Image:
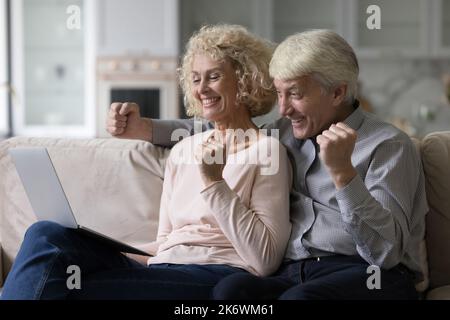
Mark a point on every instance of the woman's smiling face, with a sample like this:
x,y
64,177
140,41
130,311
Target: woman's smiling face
x,y
214,85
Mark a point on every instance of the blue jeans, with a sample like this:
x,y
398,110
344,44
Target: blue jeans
x,y
40,271
328,278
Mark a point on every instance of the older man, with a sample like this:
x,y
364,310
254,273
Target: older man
x,y
358,198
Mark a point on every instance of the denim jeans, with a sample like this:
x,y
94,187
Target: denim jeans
x,y
40,271
335,277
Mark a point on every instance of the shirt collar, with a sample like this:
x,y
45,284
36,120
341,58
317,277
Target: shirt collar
x,y
355,119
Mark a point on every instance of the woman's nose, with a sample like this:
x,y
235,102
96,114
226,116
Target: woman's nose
x,y
203,88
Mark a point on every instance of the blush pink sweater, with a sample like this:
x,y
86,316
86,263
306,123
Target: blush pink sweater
x,y
242,221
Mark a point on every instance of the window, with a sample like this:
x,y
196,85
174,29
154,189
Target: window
x,y
3,71
53,70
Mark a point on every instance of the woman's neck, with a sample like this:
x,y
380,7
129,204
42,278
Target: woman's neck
x,y
228,130
240,119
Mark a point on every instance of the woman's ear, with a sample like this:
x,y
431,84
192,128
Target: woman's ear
x,y
339,94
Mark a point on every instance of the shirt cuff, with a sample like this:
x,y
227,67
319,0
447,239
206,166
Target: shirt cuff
x,y
352,196
162,132
159,128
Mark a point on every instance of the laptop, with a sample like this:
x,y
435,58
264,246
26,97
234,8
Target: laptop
x,y
47,196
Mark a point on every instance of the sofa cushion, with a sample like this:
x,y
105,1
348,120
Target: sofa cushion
x,y
113,186
435,151
441,293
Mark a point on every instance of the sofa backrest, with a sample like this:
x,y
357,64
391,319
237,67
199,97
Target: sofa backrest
x,y
435,152
126,175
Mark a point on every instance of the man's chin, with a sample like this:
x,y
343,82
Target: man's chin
x,y
299,133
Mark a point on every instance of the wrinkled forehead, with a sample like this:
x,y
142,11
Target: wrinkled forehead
x,y
287,84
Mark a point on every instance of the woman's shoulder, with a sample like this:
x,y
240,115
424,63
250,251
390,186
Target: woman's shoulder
x,y
273,156
270,142
269,155
262,152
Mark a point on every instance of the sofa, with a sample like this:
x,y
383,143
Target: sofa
x,y
114,187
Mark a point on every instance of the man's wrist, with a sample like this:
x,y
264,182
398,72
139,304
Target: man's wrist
x,y
147,129
343,177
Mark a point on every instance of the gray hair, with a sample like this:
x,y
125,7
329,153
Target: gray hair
x,y
323,54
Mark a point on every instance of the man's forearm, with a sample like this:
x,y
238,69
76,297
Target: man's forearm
x,y
378,232
167,133
147,130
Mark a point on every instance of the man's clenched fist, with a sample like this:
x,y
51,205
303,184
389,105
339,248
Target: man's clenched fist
x,y
336,149
124,121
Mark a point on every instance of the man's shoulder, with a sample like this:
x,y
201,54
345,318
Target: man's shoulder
x,y
271,143
280,128
280,124
196,138
375,131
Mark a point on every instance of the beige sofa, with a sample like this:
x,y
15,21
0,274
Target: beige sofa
x,y
114,186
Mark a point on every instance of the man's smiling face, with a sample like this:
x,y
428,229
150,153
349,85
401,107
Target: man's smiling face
x,y
306,104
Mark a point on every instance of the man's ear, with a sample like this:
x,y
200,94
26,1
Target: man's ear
x,y
339,94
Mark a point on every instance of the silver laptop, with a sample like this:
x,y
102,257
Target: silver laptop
x,y
47,196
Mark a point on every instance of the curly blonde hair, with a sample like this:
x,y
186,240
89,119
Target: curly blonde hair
x,y
250,57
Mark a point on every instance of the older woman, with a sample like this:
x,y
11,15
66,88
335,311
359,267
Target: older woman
x,y
221,212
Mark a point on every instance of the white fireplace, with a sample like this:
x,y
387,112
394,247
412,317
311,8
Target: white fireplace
x,y
149,81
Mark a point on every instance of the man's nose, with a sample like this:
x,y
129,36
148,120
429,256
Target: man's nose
x,y
285,107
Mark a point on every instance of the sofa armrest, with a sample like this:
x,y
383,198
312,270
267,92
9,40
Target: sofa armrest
x,y
435,151
439,293
1,268
113,186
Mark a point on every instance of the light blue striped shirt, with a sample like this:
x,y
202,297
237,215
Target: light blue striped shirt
x,y
379,215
